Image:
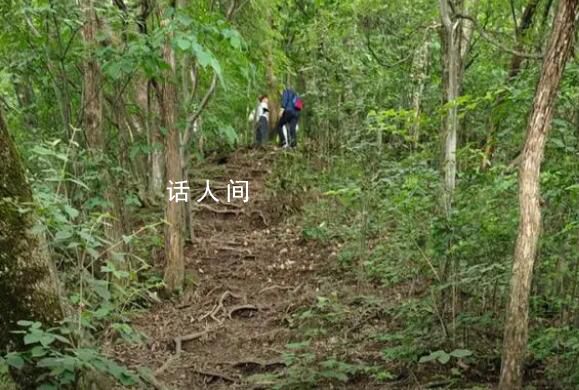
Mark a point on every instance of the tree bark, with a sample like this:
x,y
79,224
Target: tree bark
x,y
174,257
516,326
452,36
273,90
420,72
26,100
157,161
95,136
28,281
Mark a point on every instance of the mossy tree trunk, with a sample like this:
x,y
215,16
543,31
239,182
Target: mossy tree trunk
x,y
28,280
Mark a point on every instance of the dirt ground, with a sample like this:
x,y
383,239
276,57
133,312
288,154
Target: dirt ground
x,y
250,270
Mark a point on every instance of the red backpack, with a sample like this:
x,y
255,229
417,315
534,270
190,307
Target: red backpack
x,y
298,103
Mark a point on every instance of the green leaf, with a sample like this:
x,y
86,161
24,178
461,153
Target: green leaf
x,y
14,359
62,235
427,358
460,353
203,56
183,43
47,386
444,358
336,375
440,355
72,212
32,338
38,351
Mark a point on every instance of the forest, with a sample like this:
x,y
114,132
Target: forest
x,y
298,194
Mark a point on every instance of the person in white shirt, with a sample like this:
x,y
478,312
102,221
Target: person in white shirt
x,y
260,118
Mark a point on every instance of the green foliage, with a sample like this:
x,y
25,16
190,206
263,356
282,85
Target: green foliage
x,y
444,357
56,352
307,371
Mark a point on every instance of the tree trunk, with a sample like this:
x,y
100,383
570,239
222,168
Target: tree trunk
x,y
93,125
420,72
452,34
273,90
26,101
175,263
28,280
156,159
516,326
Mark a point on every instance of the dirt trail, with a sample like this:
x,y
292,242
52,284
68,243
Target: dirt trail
x,y
252,270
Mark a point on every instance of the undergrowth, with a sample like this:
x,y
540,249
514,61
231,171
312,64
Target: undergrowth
x,y
104,282
444,279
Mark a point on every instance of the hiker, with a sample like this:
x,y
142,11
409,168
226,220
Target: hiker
x,y
291,105
260,118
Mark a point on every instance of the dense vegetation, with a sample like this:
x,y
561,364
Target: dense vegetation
x,y
437,177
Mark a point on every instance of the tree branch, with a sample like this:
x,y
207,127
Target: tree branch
x,y
514,15
380,62
499,45
204,102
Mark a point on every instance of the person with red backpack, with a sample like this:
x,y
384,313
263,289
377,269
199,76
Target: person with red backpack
x,y
291,105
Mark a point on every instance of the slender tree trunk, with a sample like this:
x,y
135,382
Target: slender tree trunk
x,y
516,326
157,179
28,280
26,101
273,90
175,262
93,125
92,103
452,34
145,94
419,75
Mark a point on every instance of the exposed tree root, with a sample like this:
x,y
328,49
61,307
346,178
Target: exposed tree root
x,y
240,308
213,374
192,336
278,287
219,307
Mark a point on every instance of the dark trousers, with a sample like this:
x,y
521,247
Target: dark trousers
x,y
261,131
290,120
